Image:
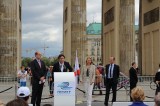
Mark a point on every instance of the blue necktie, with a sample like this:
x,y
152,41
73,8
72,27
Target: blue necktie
x,y
110,71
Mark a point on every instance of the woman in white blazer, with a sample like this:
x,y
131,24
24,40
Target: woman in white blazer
x,y
87,77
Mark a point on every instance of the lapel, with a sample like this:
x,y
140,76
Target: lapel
x,y
58,67
38,64
64,68
114,69
135,71
107,69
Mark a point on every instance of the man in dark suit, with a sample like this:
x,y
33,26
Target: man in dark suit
x,y
61,66
38,69
112,75
133,77
157,80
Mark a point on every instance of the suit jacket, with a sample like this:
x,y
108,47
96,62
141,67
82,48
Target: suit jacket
x,y
157,77
133,76
56,68
92,71
116,72
37,71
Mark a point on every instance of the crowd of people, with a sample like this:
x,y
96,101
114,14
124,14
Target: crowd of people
x,y
91,77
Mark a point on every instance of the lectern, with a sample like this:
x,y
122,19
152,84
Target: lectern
x,y
64,89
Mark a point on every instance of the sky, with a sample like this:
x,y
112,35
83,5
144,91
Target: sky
x,y
42,25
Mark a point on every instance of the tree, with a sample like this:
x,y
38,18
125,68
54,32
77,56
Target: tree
x,y
53,61
26,61
46,61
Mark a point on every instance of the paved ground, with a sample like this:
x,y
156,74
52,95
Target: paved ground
x,y
93,104
98,99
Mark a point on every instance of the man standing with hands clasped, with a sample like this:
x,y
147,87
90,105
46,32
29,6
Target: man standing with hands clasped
x,y
112,75
133,77
39,72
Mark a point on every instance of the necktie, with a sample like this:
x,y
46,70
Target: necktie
x,y
110,71
61,68
39,62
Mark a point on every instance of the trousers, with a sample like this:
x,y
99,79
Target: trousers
x,y
88,90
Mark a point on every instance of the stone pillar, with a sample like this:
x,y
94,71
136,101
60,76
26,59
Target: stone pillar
x,y
140,38
126,34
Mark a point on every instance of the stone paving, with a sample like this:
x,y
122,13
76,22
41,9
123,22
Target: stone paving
x,y
98,100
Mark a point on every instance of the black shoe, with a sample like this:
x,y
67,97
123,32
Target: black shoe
x,y
105,104
100,92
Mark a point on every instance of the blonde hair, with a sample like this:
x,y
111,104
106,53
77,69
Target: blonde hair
x,y
137,94
89,58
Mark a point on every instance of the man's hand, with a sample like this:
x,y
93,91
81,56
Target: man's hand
x,y
157,82
42,78
50,79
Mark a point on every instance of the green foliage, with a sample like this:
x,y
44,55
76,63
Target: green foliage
x,y
48,61
26,61
54,61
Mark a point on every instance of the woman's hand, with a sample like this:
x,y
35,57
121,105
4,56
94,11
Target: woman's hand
x,y
81,82
91,83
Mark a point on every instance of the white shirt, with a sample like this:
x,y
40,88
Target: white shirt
x,y
22,75
61,66
110,71
39,62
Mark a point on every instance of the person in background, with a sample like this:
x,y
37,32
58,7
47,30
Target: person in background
x,y
30,76
22,75
87,77
157,99
50,81
48,74
157,80
98,80
17,102
133,77
39,72
102,72
138,96
24,93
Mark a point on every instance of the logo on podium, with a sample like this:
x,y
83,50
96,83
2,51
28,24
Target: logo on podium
x,y
65,88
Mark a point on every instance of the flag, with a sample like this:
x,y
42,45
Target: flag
x,y
76,70
76,66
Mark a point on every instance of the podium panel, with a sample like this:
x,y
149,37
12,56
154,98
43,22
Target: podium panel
x,y
64,89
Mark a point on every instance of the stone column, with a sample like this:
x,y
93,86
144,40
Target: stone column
x,y
140,38
126,34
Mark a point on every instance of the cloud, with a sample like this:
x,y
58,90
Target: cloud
x,y
42,24
136,12
93,11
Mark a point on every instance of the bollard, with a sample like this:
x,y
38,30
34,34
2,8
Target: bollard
x,y
15,90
